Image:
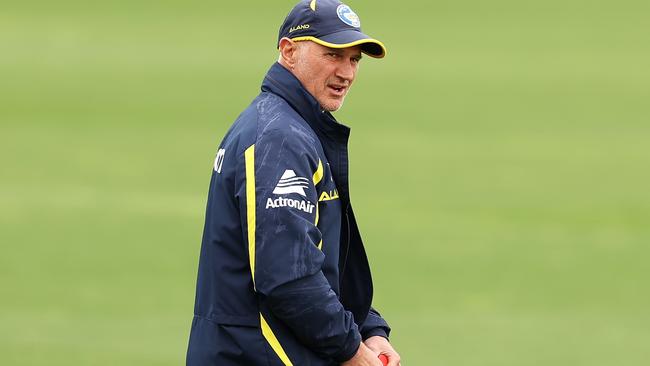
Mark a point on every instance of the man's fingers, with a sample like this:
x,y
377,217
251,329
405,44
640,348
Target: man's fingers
x,y
393,359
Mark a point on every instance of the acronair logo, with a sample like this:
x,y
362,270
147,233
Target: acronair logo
x,y
301,205
290,183
348,16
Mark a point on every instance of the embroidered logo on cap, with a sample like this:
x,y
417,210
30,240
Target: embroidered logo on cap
x,y
348,16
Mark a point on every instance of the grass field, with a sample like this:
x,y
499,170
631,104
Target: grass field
x,y
500,173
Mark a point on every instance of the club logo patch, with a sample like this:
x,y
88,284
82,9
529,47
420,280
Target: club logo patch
x,y
348,16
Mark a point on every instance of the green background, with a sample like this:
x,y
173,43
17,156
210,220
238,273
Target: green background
x,y
500,174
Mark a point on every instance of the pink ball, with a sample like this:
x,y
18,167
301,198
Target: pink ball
x,y
383,359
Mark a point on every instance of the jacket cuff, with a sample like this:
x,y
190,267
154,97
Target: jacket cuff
x,y
374,325
351,348
379,331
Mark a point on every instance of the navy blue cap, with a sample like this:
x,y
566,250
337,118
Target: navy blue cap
x,y
329,23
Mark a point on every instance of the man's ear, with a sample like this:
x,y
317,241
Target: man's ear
x,y
288,50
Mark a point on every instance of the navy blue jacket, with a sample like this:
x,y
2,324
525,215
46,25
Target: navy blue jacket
x,y
283,276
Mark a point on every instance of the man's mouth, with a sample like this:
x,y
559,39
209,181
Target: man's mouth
x,y
338,90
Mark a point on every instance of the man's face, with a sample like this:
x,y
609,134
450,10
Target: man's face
x,y
326,73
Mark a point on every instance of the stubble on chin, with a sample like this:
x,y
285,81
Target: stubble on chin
x,y
334,106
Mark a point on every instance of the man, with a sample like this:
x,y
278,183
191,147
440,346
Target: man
x,y
283,276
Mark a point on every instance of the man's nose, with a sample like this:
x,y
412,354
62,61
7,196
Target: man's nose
x,y
346,70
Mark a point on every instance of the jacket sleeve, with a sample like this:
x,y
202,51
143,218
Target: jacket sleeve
x,y
283,241
374,325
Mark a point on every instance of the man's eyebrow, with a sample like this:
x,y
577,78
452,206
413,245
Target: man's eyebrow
x,y
341,51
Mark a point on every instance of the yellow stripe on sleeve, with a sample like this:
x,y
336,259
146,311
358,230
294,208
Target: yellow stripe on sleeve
x,y
318,175
267,332
249,157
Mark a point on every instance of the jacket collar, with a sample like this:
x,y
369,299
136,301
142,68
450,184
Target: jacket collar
x,y
283,83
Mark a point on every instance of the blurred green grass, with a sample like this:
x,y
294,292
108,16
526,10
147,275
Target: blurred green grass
x,y
499,172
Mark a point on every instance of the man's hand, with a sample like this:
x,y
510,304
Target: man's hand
x,y
380,345
364,357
